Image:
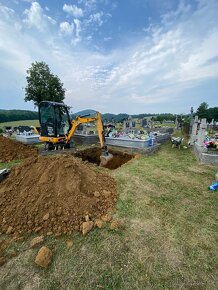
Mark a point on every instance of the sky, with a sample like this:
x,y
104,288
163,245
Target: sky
x,y
117,56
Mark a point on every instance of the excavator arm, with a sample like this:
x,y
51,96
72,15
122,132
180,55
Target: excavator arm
x,y
105,156
82,120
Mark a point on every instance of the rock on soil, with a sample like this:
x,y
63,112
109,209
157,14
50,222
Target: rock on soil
x,y
86,227
69,243
43,258
115,225
99,223
106,218
53,194
36,241
13,150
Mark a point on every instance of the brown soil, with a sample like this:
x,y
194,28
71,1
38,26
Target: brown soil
x,y
13,150
53,194
93,155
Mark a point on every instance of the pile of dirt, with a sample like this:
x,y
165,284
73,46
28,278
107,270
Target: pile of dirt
x,y
53,194
13,150
93,155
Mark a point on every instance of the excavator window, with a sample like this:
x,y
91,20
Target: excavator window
x,y
62,120
54,119
47,119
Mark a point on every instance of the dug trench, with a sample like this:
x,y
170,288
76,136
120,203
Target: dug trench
x,y
92,155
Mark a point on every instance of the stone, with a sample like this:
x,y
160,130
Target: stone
x,y
38,229
46,217
9,230
115,225
106,218
86,227
97,194
2,261
99,223
43,257
106,193
36,241
49,233
69,243
87,218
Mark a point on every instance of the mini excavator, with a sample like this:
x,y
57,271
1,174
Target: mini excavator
x,y
57,128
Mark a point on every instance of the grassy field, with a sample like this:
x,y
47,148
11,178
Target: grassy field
x,y
169,239
20,123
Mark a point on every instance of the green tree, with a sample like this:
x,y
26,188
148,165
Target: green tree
x,y
202,110
42,85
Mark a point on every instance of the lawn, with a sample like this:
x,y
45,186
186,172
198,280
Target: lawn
x,y
21,123
169,238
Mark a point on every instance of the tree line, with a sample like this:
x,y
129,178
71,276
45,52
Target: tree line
x,y
17,115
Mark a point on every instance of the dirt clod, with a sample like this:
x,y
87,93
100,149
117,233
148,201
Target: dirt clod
x,y
87,218
99,223
115,225
9,230
2,261
44,256
46,217
36,241
106,218
69,243
86,227
68,195
97,194
13,150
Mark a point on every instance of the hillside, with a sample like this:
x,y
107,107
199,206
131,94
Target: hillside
x,y
85,112
17,115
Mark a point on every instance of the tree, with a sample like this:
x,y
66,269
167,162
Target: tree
x,y
202,110
42,85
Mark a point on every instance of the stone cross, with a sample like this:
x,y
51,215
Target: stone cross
x,y
194,131
201,132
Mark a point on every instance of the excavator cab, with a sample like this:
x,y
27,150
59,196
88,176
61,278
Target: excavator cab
x,y
54,119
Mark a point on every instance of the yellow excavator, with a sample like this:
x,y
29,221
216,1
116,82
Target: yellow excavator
x,y
57,128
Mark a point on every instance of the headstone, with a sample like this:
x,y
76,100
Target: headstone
x,y
194,131
201,132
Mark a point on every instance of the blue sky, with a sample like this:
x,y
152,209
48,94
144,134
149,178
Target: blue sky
x,y
132,56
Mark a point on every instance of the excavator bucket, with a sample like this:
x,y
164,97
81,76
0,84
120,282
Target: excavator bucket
x,y
105,158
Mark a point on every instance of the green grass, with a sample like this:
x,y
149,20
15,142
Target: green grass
x,y
20,123
169,239
9,164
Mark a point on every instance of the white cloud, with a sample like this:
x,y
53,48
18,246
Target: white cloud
x,y
96,18
77,38
35,17
6,12
73,10
66,28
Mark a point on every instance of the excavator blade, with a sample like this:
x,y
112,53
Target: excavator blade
x,y
105,159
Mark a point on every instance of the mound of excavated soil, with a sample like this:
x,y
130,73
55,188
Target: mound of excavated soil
x,y
13,150
93,155
53,194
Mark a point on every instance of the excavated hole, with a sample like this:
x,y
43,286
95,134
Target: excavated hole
x,y
92,155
